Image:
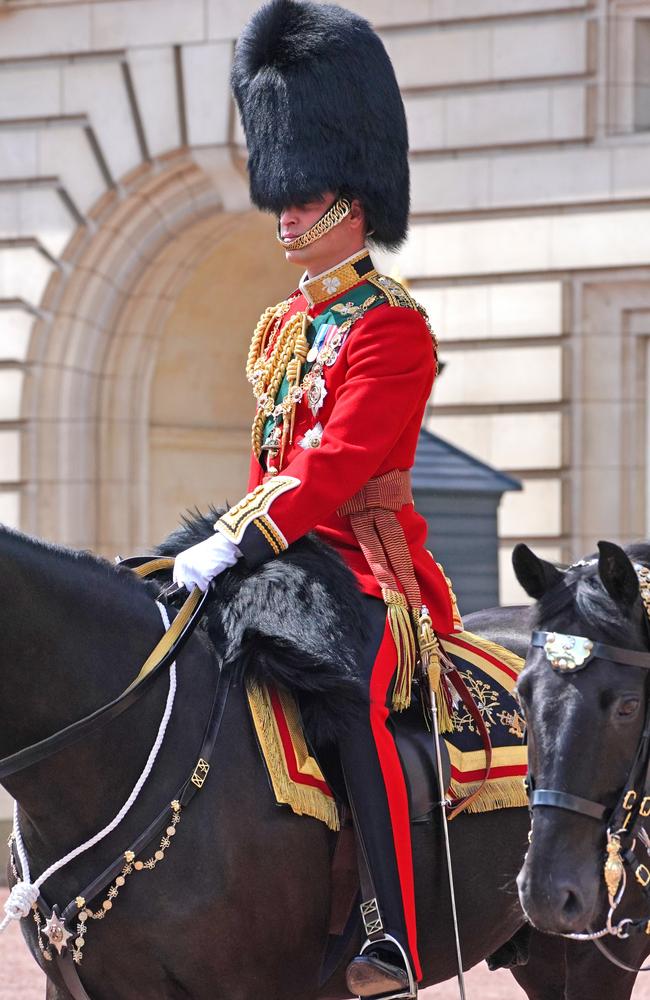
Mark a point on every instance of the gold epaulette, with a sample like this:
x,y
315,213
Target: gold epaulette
x,y
397,295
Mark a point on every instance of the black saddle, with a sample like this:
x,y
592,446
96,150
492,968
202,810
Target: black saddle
x,y
415,747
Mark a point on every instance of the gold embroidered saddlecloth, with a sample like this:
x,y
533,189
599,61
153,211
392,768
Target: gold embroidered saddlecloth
x,y
490,672
296,778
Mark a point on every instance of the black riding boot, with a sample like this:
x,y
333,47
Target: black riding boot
x,y
378,797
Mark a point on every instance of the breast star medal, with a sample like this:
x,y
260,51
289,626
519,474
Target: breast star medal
x,y
316,395
55,930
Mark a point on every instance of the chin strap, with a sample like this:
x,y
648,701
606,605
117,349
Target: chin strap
x,y
331,218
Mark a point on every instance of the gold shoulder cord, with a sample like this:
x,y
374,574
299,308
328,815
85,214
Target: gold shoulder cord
x,y
259,339
285,358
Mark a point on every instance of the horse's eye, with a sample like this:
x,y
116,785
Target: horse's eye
x,y
628,707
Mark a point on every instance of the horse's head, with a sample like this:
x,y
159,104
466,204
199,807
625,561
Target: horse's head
x,y
585,711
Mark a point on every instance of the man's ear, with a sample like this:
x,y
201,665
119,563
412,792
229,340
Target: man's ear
x,y
357,214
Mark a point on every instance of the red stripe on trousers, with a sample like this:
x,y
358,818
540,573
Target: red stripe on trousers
x,y
395,785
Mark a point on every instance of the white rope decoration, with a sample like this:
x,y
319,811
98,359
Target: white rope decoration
x,y
25,893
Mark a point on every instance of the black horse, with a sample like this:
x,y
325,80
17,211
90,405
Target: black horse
x,y
238,907
585,722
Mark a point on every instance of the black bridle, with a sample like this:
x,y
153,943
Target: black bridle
x,y
570,654
639,768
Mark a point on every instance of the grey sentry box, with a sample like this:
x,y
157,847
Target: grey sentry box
x,y
459,497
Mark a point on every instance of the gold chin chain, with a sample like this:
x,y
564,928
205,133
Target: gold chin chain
x,y
331,218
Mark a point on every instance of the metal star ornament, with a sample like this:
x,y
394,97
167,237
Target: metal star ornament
x,y
55,930
316,395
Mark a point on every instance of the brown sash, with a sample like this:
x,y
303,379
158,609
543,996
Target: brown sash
x,y
373,518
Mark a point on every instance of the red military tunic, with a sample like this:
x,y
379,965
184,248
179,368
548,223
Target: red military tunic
x,y
376,392
358,360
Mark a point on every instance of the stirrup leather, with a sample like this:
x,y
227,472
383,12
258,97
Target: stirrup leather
x,y
412,991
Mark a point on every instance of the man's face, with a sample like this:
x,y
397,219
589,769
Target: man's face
x,y
297,219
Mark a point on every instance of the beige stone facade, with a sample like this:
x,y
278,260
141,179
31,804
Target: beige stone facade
x,y
132,267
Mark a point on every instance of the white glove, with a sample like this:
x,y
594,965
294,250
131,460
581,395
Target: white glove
x,y
198,565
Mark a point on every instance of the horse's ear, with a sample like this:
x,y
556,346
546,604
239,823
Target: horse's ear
x,y
536,575
617,573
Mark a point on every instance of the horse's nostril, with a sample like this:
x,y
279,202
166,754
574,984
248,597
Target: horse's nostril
x,y
571,903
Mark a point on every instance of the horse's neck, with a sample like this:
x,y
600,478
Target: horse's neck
x,y
81,783
95,791
508,626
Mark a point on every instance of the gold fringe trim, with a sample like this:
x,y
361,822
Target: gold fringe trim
x,y
303,799
506,656
500,793
457,618
401,628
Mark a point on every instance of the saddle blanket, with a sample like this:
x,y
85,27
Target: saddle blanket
x,y
489,671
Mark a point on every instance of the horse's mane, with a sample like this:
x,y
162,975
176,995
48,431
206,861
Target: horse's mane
x,y
57,565
582,594
296,621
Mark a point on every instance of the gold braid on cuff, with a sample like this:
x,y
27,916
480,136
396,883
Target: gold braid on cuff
x,y
331,218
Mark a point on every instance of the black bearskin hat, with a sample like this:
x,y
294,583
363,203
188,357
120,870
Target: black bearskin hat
x,y
322,111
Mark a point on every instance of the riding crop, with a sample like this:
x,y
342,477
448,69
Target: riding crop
x,y
429,649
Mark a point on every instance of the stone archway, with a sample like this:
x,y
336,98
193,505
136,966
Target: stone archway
x,y
200,404
180,243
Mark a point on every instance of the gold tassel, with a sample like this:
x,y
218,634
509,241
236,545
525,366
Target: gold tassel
x,y
613,871
430,654
501,793
402,631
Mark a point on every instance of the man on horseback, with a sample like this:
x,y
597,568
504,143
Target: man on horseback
x,y
342,371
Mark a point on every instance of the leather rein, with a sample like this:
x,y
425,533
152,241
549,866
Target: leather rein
x,y
161,657
164,653
568,654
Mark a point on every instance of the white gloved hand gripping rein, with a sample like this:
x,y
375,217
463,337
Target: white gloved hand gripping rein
x,y
198,565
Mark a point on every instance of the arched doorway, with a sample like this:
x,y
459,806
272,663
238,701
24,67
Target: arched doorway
x,y
200,407
136,401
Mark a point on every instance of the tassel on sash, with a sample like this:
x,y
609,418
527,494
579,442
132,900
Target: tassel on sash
x,y
373,518
401,628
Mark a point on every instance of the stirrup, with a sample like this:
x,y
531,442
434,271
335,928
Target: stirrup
x,y
411,992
